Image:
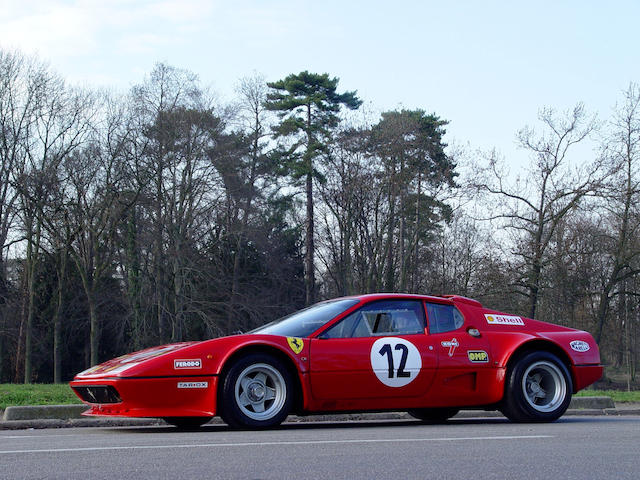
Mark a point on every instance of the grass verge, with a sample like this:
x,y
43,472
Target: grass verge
x,y
36,394
616,395
61,394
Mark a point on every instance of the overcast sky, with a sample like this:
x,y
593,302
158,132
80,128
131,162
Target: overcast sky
x,y
486,66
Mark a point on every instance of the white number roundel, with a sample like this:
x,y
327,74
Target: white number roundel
x,y
395,361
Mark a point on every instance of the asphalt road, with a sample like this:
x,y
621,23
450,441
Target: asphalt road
x,y
572,448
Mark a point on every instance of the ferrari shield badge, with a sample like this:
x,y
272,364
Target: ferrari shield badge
x,y
296,344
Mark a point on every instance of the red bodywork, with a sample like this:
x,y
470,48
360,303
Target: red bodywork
x,y
457,368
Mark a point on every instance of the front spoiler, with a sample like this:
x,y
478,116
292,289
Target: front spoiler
x,y
171,396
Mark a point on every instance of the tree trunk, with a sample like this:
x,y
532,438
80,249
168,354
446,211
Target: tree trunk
x,y
390,233
308,258
94,332
403,223
133,277
534,288
57,323
309,280
603,310
2,324
176,326
32,260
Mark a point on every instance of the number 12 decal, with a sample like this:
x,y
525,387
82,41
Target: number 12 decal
x,y
395,361
386,350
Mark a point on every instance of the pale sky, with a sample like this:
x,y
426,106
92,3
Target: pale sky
x,y
486,66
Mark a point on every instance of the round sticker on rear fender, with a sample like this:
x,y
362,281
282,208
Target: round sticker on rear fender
x,y
395,361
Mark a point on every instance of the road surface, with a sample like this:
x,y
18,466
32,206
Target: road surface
x,y
490,448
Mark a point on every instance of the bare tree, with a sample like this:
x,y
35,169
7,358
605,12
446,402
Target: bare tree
x,y
59,121
99,194
533,207
621,202
250,170
17,106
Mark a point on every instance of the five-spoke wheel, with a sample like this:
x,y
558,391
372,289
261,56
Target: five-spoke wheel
x,y
260,391
257,392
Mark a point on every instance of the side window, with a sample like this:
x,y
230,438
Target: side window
x,y
443,318
385,317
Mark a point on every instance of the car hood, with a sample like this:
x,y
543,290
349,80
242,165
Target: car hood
x,y
120,365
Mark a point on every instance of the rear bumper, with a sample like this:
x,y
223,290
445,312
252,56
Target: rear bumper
x,y
585,375
150,397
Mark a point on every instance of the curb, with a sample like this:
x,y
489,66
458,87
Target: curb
x,y
591,402
69,416
40,412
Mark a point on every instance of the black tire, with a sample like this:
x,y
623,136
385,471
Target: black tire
x,y
187,423
433,415
257,392
538,389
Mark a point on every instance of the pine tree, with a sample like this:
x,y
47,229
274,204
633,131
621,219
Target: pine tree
x,y
308,107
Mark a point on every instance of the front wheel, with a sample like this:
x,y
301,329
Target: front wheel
x,y
433,415
257,392
538,389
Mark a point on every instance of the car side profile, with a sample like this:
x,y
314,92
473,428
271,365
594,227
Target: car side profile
x,y
430,356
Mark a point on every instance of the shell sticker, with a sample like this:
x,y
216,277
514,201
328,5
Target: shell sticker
x,y
495,319
296,344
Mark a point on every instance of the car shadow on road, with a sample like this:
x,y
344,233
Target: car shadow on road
x,y
314,425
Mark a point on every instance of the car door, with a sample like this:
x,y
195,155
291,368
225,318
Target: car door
x,y
465,369
376,357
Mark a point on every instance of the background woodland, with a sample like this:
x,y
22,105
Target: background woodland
x,y
162,214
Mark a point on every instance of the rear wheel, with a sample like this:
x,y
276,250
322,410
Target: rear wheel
x,y
187,423
257,392
538,389
433,415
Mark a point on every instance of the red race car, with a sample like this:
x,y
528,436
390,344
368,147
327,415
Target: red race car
x,y
430,356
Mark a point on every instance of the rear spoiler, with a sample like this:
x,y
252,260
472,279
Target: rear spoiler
x,y
461,299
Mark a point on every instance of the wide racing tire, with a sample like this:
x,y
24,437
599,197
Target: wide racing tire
x,y
257,392
538,388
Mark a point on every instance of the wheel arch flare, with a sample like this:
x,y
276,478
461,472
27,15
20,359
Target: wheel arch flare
x,y
275,351
540,344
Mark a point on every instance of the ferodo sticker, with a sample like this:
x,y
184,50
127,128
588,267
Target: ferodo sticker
x,y
193,384
187,364
580,346
478,356
493,319
395,361
296,344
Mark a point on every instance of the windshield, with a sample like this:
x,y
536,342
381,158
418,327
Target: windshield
x,y
304,322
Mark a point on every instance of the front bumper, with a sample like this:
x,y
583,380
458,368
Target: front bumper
x,y
192,396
